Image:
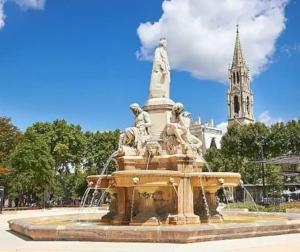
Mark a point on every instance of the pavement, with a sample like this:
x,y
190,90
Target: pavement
x,y
11,242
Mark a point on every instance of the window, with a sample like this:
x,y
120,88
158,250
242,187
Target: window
x,y
248,105
213,143
236,104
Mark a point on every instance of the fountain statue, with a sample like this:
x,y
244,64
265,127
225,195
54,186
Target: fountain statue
x,y
159,183
160,77
159,178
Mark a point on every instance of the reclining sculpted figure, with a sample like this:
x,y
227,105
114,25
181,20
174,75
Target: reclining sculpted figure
x,y
179,127
137,135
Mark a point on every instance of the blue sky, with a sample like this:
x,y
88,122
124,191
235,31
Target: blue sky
x,y
77,60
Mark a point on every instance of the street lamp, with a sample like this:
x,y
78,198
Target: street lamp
x,y
261,152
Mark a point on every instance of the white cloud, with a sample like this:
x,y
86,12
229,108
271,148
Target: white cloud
x,y
222,126
201,34
24,4
265,118
33,4
290,49
1,14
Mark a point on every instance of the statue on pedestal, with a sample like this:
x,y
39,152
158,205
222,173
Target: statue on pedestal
x,y
160,77
178,130
136,136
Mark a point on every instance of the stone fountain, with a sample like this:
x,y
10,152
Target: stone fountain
x,y
160,178
159,192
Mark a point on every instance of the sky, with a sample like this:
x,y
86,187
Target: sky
x,y
87,61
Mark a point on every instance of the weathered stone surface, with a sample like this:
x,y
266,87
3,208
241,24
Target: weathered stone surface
x,y
36,230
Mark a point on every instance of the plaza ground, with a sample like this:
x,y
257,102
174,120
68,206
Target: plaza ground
x,y
11,242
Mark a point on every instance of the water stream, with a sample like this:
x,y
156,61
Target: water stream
x,y
207,165
248,194
132,203
86,194
148,160
205,201
225,196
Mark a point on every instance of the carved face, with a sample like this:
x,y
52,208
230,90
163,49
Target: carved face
x,y
135,108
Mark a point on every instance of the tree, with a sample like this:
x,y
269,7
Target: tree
x,y
9,137
100,146
241,145
66,142
33,169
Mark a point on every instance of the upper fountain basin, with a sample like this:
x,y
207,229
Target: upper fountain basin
x,y
142,178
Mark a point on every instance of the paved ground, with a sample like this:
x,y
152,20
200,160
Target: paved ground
x,y
10,242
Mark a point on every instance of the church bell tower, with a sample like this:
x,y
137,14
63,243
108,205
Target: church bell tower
x,y
239,95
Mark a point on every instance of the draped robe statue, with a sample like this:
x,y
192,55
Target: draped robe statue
x,y
137,135
160,77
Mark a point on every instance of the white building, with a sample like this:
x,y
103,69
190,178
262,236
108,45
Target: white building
x,y
208,133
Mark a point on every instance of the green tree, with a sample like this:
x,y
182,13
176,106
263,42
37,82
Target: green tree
x,y
66,142
33,169
100,146
9,137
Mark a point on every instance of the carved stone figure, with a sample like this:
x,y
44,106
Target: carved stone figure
x,y
137,135
179,127
160,77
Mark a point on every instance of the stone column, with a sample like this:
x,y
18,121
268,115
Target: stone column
x,y
212,205
120,206
188,204
185,204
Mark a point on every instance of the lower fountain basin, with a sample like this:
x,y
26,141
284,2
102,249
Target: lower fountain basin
x,y
86,227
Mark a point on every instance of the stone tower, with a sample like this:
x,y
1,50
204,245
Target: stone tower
x,y
239,95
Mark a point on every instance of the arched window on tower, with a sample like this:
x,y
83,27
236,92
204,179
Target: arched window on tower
x,y
236,104
233,75
213,144
238,77
248,105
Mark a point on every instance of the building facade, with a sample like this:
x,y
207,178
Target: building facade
x,y
239,95
207,133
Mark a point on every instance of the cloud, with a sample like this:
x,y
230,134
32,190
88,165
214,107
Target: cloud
x,y
201,34
31,4
24,4
265,118
222,126
1,14
289,49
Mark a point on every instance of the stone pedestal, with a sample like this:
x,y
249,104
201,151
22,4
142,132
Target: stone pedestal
x,y
215,217
147,215
159,110
185,204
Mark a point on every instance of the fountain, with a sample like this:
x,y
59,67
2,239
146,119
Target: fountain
x,y
159,192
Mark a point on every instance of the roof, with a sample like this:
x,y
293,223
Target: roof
x,y
281,160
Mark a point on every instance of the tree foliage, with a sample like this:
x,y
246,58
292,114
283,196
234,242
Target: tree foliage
x,y
243,144
34,169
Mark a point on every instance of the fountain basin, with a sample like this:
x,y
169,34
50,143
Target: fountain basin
x,y
84,227
210,180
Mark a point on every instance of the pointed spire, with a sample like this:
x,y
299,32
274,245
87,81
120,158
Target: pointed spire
x,y
238,59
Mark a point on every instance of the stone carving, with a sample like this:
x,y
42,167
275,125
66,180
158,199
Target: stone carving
x,y
178,131
160,77
135,137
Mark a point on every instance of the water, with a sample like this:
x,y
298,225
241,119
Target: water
x,y
249,195
85,196
207,165
174,187
148,160
132,204
205,201
86,193
225,196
